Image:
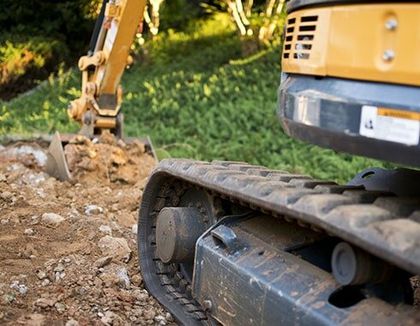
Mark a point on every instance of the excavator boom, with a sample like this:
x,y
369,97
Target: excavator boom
x,y
98,107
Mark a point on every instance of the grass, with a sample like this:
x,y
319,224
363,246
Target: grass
x,y
197,96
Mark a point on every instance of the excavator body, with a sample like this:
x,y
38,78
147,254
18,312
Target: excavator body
x,y
351,77
234,244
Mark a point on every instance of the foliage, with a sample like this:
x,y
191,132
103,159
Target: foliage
x,y
179,14
258,19
36,55
165,15
68,21
38,35
199,98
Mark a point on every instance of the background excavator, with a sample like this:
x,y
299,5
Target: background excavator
x,y
235,244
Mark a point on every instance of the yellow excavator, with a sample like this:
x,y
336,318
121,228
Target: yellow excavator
x,y
234,244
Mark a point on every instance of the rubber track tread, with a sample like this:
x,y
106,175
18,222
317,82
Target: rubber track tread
x,y
365,219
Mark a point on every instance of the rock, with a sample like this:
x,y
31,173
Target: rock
x,y
35,180
161,320
73,215
59,268
121,143
4,221
21,288
105,229
149,314
60,307
103,261
124,280
109,278
41,275
6,196
28,232
93,210
72,322
115,275
141,295
45,282
109,318
136,279
169,317
8,298
115,247
52,218
134,229
44,303
59,276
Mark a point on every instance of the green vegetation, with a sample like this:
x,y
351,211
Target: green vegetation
x,y
38,36
197,96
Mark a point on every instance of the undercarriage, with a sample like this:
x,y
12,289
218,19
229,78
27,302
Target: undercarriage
x,y
232,243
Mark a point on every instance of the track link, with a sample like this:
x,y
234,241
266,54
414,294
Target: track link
x,y
382,224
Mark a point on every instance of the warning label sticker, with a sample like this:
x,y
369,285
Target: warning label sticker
x,y
390,125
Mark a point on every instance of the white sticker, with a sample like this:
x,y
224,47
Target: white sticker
x,y
110,36
390,125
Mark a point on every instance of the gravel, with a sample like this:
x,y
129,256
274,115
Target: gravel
x,y
52,218
65,260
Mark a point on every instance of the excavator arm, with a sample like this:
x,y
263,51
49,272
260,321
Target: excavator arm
x,y
98,107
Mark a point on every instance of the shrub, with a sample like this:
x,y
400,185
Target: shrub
x,y
36,56
37,36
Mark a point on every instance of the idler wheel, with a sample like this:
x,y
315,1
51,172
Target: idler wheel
x,y
177,231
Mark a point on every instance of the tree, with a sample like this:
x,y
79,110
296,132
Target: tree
x,y
256,18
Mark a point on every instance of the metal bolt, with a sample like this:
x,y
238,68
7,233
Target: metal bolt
x,y
207,304
391,24
388,55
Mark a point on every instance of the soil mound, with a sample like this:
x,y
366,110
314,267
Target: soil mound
x,y
108,160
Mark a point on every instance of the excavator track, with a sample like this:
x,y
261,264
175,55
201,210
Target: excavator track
x,y
382,224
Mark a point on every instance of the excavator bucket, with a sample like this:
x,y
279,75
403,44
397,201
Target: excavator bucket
x,y
57,166
56,162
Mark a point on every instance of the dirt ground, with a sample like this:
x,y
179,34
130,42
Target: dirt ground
x,y
68,250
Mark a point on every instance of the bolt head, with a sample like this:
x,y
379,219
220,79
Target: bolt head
x,y
388,55
391,24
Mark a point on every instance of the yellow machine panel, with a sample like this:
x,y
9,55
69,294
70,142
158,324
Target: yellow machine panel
x,y
367,42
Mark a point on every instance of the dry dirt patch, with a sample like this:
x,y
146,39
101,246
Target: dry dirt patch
x,y
68,250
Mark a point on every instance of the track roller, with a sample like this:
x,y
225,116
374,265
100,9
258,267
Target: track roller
x,y
352,266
